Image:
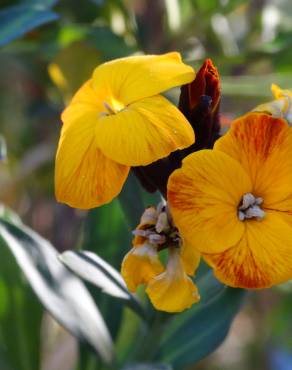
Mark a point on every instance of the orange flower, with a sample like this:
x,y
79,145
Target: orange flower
x,y
234,203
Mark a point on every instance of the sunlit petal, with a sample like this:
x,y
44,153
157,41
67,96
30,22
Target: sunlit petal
x,y
173,290
84,177
137,77
261,259
263,146
143,132
140,265
204,195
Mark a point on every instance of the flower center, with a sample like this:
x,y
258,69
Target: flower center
x,y
113,107
250,208
158,228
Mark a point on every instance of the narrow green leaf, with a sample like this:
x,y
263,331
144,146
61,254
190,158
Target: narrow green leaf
x,y
15,21
20,318
106,233
60,291
94,269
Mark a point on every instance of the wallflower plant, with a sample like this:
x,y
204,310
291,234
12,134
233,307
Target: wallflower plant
x,y
223,224
226,199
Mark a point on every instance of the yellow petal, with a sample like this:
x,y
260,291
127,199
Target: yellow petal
x,y
263,146
280,93
173,290
281,107
262,258
88,96
274,107
204,195
137,77
144,132
140,265
190,258
84,177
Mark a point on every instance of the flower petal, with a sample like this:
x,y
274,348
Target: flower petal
x,y
190,258
281,107
137,77
263,146
140,265
173,290
84,177
88,96
204,195
262,258
144,132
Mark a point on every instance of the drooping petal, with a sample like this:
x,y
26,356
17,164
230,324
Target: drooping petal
x,y
204,195
137,77
143,132
261,259
263,146
140,265
173,290
190,258
84,177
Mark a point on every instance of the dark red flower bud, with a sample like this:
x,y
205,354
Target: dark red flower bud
x,y
199,102
207,82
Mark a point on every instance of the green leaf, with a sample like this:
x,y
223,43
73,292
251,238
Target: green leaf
x,y
20,318
192,335
8,215
17,20
106,233
61,292
94,269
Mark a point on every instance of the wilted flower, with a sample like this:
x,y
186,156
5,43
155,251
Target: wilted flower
x,y
281,107
117,120
234,203
169,288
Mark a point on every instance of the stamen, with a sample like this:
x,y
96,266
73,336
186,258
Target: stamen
x,y
249,208
157,228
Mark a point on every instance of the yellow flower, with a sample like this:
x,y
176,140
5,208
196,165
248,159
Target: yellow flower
x,y
234,203
281,107
169,288
117,120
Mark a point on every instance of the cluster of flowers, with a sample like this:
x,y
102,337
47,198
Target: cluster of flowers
x,y
228,199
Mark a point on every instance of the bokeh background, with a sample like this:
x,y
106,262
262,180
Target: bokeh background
x,y
61,42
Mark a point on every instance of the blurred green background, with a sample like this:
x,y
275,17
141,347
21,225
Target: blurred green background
x,y
48,48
